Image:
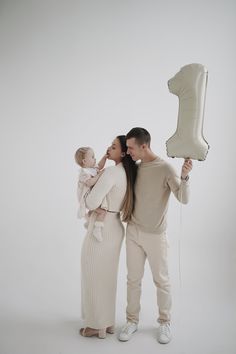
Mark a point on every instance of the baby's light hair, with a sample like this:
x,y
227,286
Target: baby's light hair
x,y
80,154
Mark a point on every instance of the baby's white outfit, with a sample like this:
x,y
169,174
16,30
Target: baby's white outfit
x,y
82,190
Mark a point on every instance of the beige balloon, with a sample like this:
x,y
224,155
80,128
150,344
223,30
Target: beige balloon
x,y
190,85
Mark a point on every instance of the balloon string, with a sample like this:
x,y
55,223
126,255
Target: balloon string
x,y
179,251
179,238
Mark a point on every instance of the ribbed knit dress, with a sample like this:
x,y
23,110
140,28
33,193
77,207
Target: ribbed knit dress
x,y
99,260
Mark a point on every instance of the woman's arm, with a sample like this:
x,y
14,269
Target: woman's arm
x,y
102,162
92,180
103,186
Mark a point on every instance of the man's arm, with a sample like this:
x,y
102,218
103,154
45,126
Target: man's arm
x,y
186,168
180,186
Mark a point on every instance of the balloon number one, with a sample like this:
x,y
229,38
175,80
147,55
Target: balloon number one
x,y
190,85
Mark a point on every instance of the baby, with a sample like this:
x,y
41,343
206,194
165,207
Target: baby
x,y
89,174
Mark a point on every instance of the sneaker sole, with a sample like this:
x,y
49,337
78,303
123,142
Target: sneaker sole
x,y
164,342
126,340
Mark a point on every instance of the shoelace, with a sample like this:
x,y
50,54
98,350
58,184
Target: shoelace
x,y
164,329
127,328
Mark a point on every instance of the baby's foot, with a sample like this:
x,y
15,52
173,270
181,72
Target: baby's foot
x,y
97,233
86,224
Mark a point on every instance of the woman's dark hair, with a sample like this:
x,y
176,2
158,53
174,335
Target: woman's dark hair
x,y
130,167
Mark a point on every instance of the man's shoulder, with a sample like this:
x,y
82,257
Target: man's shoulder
x,y
157,163
162,166
168,166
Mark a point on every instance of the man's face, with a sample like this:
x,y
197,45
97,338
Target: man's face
x,y
135,150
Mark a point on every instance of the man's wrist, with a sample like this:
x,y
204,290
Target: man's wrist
x,y
185,178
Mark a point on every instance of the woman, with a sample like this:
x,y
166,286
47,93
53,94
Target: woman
x,y
99,260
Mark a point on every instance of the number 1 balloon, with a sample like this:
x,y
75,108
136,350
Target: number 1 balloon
x,y
190,85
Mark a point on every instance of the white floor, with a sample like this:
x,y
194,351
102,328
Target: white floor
x,y
202,327
42,314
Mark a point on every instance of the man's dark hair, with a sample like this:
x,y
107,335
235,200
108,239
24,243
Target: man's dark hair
x,y
141,135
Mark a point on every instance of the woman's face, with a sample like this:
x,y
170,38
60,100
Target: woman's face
x,y
114,151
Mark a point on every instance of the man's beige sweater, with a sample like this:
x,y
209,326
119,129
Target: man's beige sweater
x,y
155,181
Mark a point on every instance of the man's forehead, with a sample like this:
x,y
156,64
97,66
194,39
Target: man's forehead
x,y
131,141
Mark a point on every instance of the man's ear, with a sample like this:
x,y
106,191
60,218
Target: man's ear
x,y
83,161
144,146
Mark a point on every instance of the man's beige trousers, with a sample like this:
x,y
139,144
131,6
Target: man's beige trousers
x,y
139,246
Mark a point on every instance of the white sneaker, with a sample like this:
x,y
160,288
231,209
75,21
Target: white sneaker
x,y
164,333
127,331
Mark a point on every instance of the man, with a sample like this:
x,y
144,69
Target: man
x,y
146,232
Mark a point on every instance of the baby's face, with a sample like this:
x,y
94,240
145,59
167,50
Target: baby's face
x,y
89,159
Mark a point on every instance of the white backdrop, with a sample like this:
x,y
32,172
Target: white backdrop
x,y
79,73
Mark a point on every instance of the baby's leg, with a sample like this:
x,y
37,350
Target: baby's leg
x,y
98,225
86,221
87,215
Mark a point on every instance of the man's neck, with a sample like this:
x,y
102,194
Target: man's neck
x,y
149,157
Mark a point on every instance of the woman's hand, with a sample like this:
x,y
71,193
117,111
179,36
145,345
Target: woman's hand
x,y
107,152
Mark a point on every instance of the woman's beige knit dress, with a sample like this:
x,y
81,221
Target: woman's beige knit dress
x,y
99,260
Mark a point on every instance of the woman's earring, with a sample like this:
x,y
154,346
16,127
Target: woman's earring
x,y
123,154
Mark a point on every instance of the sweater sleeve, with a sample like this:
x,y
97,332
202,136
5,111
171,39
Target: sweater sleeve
x,y
103,186
179,187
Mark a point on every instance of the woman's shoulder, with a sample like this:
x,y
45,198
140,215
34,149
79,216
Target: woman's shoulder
x,y
112,175
114,172
111,170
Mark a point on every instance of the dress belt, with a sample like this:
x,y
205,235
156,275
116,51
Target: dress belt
x,y
111,211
